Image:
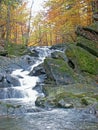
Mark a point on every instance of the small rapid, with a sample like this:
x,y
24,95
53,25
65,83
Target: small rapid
x,y
29,82
24,94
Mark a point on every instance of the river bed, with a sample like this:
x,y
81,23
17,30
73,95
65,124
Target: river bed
x,y
57,119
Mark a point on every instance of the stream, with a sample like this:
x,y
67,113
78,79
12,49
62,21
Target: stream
x,y
18,110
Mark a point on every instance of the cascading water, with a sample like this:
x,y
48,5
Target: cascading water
x,y
24,94
17,103
29,82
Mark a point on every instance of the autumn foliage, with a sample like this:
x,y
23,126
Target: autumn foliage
x,y
56,24
13,21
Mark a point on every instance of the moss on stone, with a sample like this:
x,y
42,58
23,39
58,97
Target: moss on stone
x,y
79,95
16,50
88,100
88,45
94,26
85,61
59,71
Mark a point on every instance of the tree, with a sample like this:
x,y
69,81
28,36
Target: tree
x,y
61,19
13,21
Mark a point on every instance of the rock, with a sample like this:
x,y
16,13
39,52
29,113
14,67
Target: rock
x,y
87,33
88,100
92,109
95,16
58,55
3,81
63,104
88,45
1,77
8,80
58,70
32,52
3,53
38,88
39,70
68,96
22,62
82,60
13,80
94,26
4,62
45,102
61,47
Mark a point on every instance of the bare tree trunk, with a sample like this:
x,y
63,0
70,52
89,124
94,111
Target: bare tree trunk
x,y
16,33
29,22
8,25
50,33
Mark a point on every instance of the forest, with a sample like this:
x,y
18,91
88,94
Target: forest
x,y
55,24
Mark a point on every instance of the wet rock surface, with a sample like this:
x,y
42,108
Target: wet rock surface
x,y
68,96
8,80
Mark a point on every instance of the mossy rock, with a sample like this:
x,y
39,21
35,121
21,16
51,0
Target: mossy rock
x,y
3,53
58,55
88,100
94,26
68,96
59,46
59,71
83,60
46,102
88,45
16,49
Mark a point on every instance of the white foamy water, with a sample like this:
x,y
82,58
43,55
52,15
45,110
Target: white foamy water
x,y
29,82
25,94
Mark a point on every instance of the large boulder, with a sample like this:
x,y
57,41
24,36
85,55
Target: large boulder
x,y
94,26
31,51
82,60
88,45
13,80
88,33
37,71
59,55
24,62
58,70
61,47
4,62
68,96
7,80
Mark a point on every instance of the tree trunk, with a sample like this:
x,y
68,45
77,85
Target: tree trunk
x,y
8,25
28,30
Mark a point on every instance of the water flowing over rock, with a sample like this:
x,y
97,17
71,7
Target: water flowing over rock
x,y
50,81
7,80
20,76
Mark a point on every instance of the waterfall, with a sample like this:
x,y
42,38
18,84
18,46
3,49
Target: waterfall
x,y
24,93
